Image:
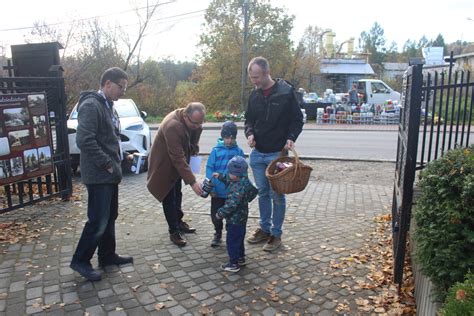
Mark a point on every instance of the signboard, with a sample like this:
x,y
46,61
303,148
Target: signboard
x,y
25,138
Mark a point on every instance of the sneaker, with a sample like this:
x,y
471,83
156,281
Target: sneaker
x,y
242,262
178,239
216,241
258,236
185,228
230,267
272,244
86,271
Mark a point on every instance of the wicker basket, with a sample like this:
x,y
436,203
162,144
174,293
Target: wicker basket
x,y
290,180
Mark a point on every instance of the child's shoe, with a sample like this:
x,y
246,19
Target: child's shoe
x,y
231,267
217,240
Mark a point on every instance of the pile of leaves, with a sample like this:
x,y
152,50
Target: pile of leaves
x,y
460,298
377,256
12,232
444,217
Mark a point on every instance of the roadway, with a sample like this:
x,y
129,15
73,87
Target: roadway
x,y
359,145
371,145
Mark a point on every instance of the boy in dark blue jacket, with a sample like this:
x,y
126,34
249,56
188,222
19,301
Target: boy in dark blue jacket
x,y
225,149
240,191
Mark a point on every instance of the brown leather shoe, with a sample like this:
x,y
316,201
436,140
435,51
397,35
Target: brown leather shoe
x,y
178,239
272,244
258,236
185,228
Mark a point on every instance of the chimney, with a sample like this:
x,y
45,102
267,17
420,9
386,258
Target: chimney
x,y
330,44
350,46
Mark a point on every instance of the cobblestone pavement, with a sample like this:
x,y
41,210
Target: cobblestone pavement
x,y
330,219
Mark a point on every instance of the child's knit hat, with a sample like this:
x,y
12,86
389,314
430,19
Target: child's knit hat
x,y
237,166
229,129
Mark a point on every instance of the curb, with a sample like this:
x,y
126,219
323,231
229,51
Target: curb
x,y
329,158
311,128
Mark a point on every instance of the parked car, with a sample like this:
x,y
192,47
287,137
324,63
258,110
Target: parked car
x,y
134,132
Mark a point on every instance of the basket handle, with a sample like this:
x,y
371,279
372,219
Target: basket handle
x,y
283,153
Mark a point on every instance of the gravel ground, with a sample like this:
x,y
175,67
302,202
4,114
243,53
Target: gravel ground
x,y
354,172
339,171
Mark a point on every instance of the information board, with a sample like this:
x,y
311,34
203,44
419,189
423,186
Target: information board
x,y
25,137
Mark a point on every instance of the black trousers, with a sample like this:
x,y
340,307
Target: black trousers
x,y
172,207
216,203
99,231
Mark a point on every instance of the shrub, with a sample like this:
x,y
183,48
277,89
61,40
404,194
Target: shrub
x,y
444,216
460,298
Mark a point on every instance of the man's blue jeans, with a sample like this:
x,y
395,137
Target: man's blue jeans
x,y
99,231
272,205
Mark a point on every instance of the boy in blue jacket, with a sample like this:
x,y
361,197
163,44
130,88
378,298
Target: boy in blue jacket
x,y
240,191
225,149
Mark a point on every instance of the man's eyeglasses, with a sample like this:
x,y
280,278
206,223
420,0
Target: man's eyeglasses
x,y
193,122
120,86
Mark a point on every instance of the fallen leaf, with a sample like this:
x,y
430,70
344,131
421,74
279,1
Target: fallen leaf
x,y
159,306
135,288
204,310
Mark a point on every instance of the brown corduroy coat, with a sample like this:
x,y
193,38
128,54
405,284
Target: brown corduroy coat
x,y
170,153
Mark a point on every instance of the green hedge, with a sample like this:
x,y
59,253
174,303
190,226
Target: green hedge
x,y
460,299
444,216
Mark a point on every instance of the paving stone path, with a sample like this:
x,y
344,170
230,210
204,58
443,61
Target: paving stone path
x,y
329,220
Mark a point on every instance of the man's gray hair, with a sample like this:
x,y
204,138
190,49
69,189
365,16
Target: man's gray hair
x,y
260,61
195,107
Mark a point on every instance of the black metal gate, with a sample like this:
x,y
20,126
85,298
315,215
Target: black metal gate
x,y
441,101
58,183
406,163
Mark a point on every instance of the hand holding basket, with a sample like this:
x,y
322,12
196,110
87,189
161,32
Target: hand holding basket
x,y
290,180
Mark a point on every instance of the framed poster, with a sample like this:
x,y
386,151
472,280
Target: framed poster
x,y
25,137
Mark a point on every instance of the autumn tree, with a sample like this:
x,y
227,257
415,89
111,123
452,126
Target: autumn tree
x,y
373,44
221,43
439,42
93,47
307,57
153,95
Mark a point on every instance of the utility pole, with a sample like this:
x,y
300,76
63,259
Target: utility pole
x,y
244,54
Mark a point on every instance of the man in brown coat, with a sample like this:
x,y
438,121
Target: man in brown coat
x,y
168,164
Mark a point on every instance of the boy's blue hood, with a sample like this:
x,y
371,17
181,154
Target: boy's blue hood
x,y
220,143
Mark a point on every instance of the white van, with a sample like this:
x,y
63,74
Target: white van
x,y
375,91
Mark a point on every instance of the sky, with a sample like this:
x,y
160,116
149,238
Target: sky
x,y
175,32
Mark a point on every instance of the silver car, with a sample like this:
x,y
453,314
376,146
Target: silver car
x,y
134,132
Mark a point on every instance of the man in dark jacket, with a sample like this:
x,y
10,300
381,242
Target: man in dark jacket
x,y
273,121
98,138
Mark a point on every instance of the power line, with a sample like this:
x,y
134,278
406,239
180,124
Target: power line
x,y
84,19
172,18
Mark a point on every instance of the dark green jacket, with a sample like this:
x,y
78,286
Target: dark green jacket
x,y
236,207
